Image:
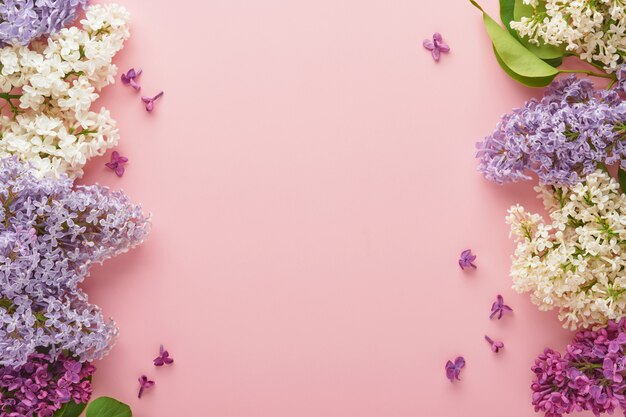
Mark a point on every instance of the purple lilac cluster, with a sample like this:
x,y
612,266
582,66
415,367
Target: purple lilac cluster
x,y
42,385
50,235
24,20
563,137
589,376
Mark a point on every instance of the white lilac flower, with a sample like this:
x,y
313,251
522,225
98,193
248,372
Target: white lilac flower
x,y
576,262
50,87
594,30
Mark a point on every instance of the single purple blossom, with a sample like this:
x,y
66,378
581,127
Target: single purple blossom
x,y
144,383
130,78
453,369
149,101
436,46
467,258
163,358
498,308
117,163
495,345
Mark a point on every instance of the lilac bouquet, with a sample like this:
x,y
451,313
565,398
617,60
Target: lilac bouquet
x,y
568,134
50,235
24,20
589,376
42,385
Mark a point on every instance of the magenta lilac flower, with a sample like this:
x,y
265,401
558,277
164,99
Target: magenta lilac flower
x,y
163,358
589,376
144,383
149,101
498,308
467,258
495,345
130,78
572,131
453,369
117,163
51,233
42,385
24,20
436,46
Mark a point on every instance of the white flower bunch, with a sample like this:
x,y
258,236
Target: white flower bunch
x,y
48,89
577,263
594,30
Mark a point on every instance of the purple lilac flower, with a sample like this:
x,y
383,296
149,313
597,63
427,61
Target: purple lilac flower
x,y
130,78
144,383
436,46
467,258
453,369
24,20
50,235
590,376
163,358
498,308
563,137
495,345
149,101
117,163
42,385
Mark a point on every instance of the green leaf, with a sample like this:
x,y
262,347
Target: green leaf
x,y
70,409
517,61
507,15
530,82
108,407
621,177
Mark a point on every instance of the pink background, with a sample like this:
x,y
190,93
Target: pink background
x,y
311,176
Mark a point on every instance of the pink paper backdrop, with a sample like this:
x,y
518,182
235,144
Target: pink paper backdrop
x,y
311,177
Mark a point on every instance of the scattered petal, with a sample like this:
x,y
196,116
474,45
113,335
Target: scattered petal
x,y
495,345
130,78
453,369
117,163
144,383
498,308
163,358
436,46
467,258
149,101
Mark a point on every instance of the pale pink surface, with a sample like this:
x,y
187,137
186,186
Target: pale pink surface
x,y
311,176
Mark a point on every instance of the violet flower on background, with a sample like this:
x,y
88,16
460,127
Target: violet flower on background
x,y
467,258
498,308
588,376
50,236
22,21
453,369
117,163
495,345
436,46
130,77
163,358
149,101
144,384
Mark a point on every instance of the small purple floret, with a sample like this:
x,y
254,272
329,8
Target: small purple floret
x,y
467,258
436,46
453,369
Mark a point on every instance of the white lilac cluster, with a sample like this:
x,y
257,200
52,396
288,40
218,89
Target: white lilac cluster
x,y
577,262
594,30
48,88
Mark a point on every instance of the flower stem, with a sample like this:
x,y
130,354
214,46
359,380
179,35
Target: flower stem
x,y
589,73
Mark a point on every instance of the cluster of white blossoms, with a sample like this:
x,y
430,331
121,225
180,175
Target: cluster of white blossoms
x,y
594,30
48,87
577,263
